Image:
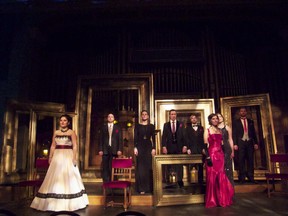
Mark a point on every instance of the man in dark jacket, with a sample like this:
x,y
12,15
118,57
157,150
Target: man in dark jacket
x,y
173,142
110,146
194,139
245,141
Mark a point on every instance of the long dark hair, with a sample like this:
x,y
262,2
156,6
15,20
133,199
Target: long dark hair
x,y
211,116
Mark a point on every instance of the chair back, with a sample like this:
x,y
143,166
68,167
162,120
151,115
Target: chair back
x,y
41,166
42,163
279,162
122,169
279,158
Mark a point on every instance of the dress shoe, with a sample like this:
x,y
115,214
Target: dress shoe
x,y
241,181
181,184
253,181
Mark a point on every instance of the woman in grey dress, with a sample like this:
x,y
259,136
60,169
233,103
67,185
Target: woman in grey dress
x,y
228,147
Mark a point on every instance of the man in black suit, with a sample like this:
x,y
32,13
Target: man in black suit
x,y
110,146
173,142
245,141
194,139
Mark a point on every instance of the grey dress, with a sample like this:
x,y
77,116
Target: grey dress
x,y
227,153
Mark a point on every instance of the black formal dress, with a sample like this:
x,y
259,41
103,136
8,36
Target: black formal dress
x,y
144,141
174,143
194,139
227,155
109,151
245,148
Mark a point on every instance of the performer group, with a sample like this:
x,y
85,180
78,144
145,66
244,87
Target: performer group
x,y
63,189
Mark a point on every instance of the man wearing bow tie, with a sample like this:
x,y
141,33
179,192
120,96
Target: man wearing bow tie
x,y
245,141
194,140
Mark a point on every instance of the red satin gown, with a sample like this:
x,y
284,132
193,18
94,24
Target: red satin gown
x,y
219,190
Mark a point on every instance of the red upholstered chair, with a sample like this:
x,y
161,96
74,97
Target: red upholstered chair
x,y
41,166
279,171
121,179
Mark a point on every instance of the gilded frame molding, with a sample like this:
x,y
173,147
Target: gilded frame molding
x,y
160,199
143,83
14,108
184,106
263,101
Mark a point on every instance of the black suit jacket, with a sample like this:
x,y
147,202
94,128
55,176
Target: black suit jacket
x,y
238,131
194,139
116,140
167,138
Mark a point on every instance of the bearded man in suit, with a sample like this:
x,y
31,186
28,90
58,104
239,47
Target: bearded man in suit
x,y
245,142
194,139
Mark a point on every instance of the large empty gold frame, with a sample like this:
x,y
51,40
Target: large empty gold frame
x,y
11,139
143,83
184,108
266,128
160,199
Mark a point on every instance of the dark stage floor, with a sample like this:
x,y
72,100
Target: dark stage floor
x,y
245,204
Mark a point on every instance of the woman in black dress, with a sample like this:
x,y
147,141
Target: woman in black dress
x,y
228,147
144,141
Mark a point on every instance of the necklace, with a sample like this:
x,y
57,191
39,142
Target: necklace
x,y
216,130
64,130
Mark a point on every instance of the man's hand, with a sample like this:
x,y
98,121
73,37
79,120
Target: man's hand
x,y
235,147
100,153
184,149
136,151
203,152
153,152
189,151
119,153
164,150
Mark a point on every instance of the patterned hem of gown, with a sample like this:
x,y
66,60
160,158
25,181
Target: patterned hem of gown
x,y
61,196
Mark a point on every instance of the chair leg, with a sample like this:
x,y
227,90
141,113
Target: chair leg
x,y
125,199
268,187
130,196
104,195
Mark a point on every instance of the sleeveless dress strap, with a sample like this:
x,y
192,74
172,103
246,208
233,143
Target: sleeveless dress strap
x,y
208,132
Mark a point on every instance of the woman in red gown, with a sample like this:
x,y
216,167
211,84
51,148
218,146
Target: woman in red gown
x,y
219,190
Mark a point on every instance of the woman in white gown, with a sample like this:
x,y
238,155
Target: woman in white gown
x,y
62,188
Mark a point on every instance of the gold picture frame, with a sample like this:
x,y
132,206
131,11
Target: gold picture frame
x,y
161,199
184,107
203,107
259,108
87,86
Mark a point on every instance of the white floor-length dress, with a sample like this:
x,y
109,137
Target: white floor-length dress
x,y
62,188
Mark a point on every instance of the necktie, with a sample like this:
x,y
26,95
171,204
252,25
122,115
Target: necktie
x,y
245,125
173,127
110,134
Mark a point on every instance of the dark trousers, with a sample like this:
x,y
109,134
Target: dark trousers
x,y
246,154
107,166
